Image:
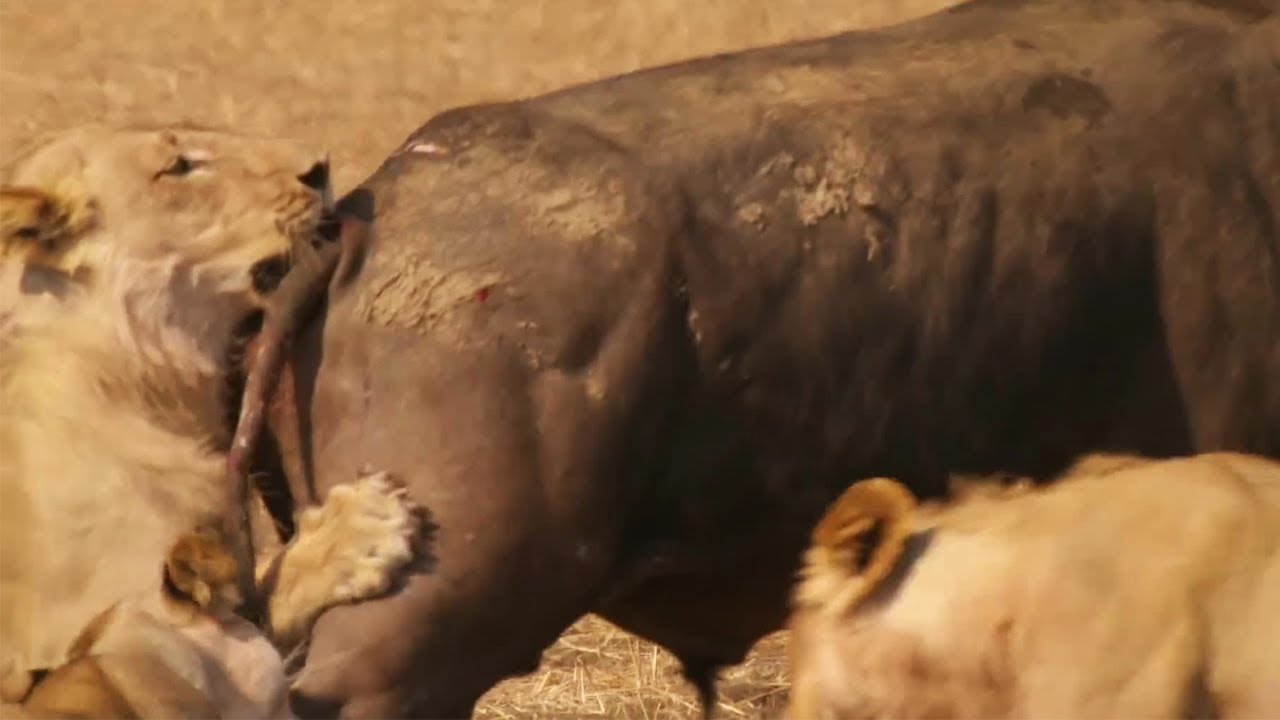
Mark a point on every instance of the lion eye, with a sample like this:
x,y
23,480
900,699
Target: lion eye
x,y
181,165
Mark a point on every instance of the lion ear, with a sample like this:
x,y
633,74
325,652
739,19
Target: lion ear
x,y
864,530
41,228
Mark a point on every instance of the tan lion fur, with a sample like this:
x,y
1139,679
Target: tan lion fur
x,y
144,657
126,264
181,652
1127,588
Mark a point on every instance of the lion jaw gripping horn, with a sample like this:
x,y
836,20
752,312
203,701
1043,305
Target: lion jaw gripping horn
x,y
86,199
163,240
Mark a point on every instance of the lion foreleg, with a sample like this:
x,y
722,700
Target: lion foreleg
x,y
348,549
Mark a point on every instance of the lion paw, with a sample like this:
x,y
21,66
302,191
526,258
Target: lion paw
x,y
367,530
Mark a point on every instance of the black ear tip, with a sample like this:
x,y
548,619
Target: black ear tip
x,y
317,178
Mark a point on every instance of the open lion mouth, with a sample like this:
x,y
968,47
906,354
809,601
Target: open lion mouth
x,y
266,274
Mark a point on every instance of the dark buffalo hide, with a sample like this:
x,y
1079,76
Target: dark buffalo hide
x,y
625,341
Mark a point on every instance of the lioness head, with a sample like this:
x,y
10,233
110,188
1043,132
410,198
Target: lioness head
x,y
219,209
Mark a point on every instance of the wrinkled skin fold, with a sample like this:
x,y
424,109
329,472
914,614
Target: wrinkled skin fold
x,y
627,340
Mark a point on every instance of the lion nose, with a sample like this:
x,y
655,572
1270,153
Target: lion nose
x,y
317,178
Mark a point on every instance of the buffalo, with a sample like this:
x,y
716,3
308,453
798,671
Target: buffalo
x,y
627,340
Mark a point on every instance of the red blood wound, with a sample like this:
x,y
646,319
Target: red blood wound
x,y
483,294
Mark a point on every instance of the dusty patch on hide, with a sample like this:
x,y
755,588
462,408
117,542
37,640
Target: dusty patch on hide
x,y
581,210
848,177
753,214
413,293
780,162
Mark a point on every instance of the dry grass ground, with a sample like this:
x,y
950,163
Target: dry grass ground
x,y
356,76
599,671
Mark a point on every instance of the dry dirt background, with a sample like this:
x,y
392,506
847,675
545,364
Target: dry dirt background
x,y
356,77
